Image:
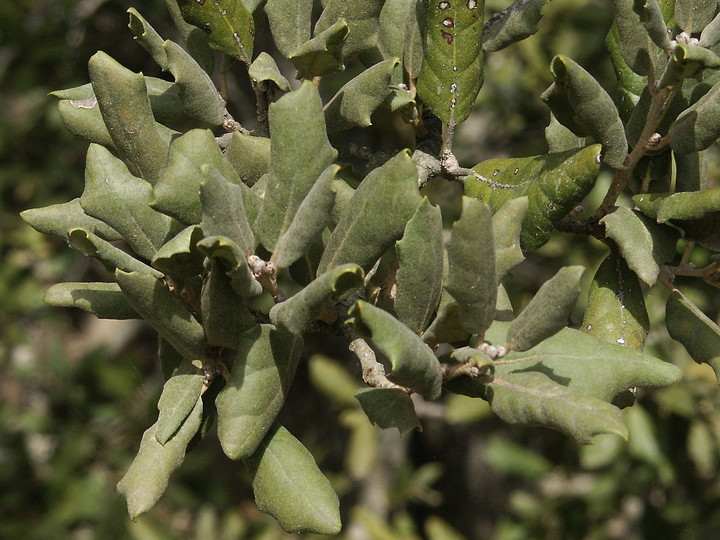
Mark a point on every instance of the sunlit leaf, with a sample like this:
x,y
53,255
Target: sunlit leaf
x,y
59,219
362,20
179,397
290,22
322,54
104,300
264,69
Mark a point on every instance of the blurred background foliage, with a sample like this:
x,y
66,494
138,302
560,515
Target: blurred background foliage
x,y
76,393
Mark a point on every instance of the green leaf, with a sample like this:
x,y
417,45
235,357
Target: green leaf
x,y
225,316
710,35
122,200
180,257
392,42
511,25
691,327
586,365
297,313
59,219
507,227
452,68
263,367
583,106
420,272
615,310
362,19
533,398
249,156
110,256
163,311
413,363
177,192
300,152
644,244
180,395
688,61
548,311
353,104
82,117
235,262
389,408
652,19
553,183
414,31
636,46
471,279
229,25
290,22
264,68
376,215
446,327
148,475
104,300
195,39
698,126
630,85
223,210
288,485
322,54
125,107
688,205
694,15
311,218
333,380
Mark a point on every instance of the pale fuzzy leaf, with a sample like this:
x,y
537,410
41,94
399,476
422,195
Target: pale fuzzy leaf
x,y
389,408
322,54
264,68
59,219
290,22
180,257
179,397
507,226
511,25
110,256
362,19
234,261
104,300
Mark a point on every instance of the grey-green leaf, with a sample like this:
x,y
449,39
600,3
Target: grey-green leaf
x,y
125,107
298,312
82,117
548,311
512,24
263,367
109,255
420,268
694,15
180,257
264,69
389,408
179,397
698,126
148,475
472,280
353,104
249,156
644,244
591,109
122,200
104,300
288,485
235,262
376,215
300,152
413,363
322,54
163,311
59,219
362,19
637,48
507,227
687,324
290,22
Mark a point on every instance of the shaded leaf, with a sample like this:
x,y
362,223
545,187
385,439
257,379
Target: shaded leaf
x,y
104,300
694,15
507,227
691,327
195,39
322,54
512,24
353,104
110,256
710,35
698,126
179,397
288,485
630,85
413,363
82,117
414,31
652,19
471,278
688,61
644,244
229,25
148,475
420,272
235,262
583,106
59,219
389,408
300,152
297,313
311,218
391,42
636,46
125,107
290,22
362,19
249,156
452,68
364,232
553,183
615,310
548,311
534,398
264,68
154,302
180,257
333,380
122,200
263,367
